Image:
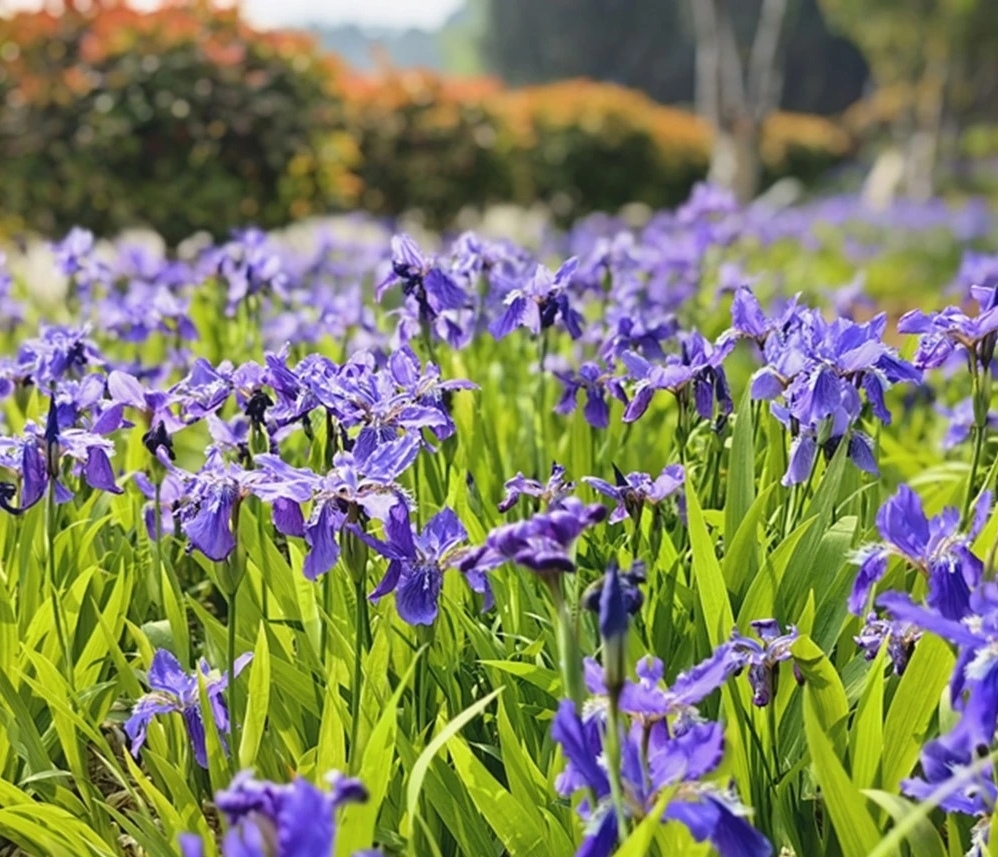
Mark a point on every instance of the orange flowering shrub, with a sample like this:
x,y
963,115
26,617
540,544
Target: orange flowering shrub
x,y
587,146
428,142
184,118
803,145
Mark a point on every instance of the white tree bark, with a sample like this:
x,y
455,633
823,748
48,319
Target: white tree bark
x,y
736,99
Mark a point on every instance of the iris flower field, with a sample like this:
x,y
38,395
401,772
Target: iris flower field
x,y
671,540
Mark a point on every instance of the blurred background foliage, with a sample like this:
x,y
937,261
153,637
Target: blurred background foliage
x,y
186,118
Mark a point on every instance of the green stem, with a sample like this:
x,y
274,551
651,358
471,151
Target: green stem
x,y
803,496
614,764
774,737
325,638
635,541
980,433
569,653
358,672
233,699
51,523
158,526
540,439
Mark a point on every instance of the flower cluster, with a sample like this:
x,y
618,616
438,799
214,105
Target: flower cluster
x,y
814,374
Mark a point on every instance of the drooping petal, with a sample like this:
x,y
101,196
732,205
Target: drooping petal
x,y
596,411
511,318
288,518
320,535
600,837
567,730
388,582
901,607
304,820
142,714
803,450
209,529
98,471
861,453
872,567
195,731
417,595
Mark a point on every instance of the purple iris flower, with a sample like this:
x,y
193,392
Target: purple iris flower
x,y
416,561
749,321
385,404
973,687
667,745
82,404
424,384
961,420
840,358
353,486
59,352
697,370
634,490
171,493
204,390
596,383
550,493
935,547
538,302
808,439
542,543
249,266
294,398
820,367
639,330
422,281
977,269
210,498
76,258
649,700
949,329
296,819
763,656
174,690
899,636
155,405
36,456
944,759
616,596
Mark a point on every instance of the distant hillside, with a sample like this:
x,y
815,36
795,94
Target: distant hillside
x,y
453,48
358,46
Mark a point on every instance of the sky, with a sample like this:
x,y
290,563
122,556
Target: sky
x,y
428,14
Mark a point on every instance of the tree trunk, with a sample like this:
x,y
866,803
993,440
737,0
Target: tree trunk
x,y
734,162
708,61
923,147
734,99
